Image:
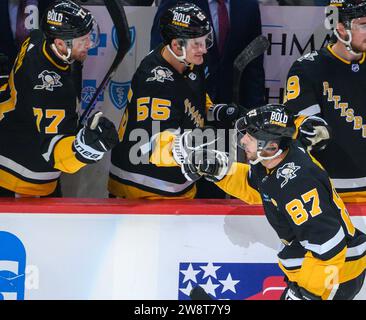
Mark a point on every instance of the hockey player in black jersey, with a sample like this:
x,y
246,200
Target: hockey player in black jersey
x,y
167,95
330,83
39,134
322,253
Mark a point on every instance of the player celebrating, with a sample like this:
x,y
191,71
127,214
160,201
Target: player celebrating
x,y
167,92
38,119
322,254
329,83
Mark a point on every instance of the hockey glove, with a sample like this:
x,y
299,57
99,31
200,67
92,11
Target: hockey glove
x,y
190,171
97,137
191,140
213,165
294,292
314,133
223,112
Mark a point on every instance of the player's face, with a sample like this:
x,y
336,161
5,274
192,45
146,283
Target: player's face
x,y
359,34
80,47
250,145
197,47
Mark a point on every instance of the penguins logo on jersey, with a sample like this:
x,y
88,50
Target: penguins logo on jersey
x,y
287,171
50,80
161,74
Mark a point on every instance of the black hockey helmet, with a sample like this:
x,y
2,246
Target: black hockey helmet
x,y
184,21
271,122
349,9
66,20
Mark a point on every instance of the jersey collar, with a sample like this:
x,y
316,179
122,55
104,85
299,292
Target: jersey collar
x,y
329,47
51,57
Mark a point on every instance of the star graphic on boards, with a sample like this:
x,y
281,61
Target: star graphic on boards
x,y
209,287
210,270
188,289
190,273
229,284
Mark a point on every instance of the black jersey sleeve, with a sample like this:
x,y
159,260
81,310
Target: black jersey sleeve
x,y
301,95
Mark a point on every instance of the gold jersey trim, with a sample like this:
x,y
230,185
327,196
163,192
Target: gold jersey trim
x,y
51,60
329,47
129,192
12,183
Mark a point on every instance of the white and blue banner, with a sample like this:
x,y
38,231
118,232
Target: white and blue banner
x,y
139,256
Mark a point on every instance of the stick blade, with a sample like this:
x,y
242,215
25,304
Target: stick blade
x,y
253,50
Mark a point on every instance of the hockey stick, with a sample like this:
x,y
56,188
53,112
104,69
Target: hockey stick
x,y
253,50
257,47
117,13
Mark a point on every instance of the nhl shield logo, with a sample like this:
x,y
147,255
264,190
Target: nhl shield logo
x,y
118,92
355,67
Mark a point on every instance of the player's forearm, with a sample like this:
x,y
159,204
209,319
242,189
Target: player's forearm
x,y
236,184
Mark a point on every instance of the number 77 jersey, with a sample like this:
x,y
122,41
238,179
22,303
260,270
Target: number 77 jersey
x,y
38,121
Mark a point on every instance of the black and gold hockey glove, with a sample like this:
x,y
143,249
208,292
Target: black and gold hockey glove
x,y
97,137
223,112
294,292
314,133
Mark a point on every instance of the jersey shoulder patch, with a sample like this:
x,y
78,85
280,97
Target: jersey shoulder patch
x,y
311,56
160,74
287,172
50,80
